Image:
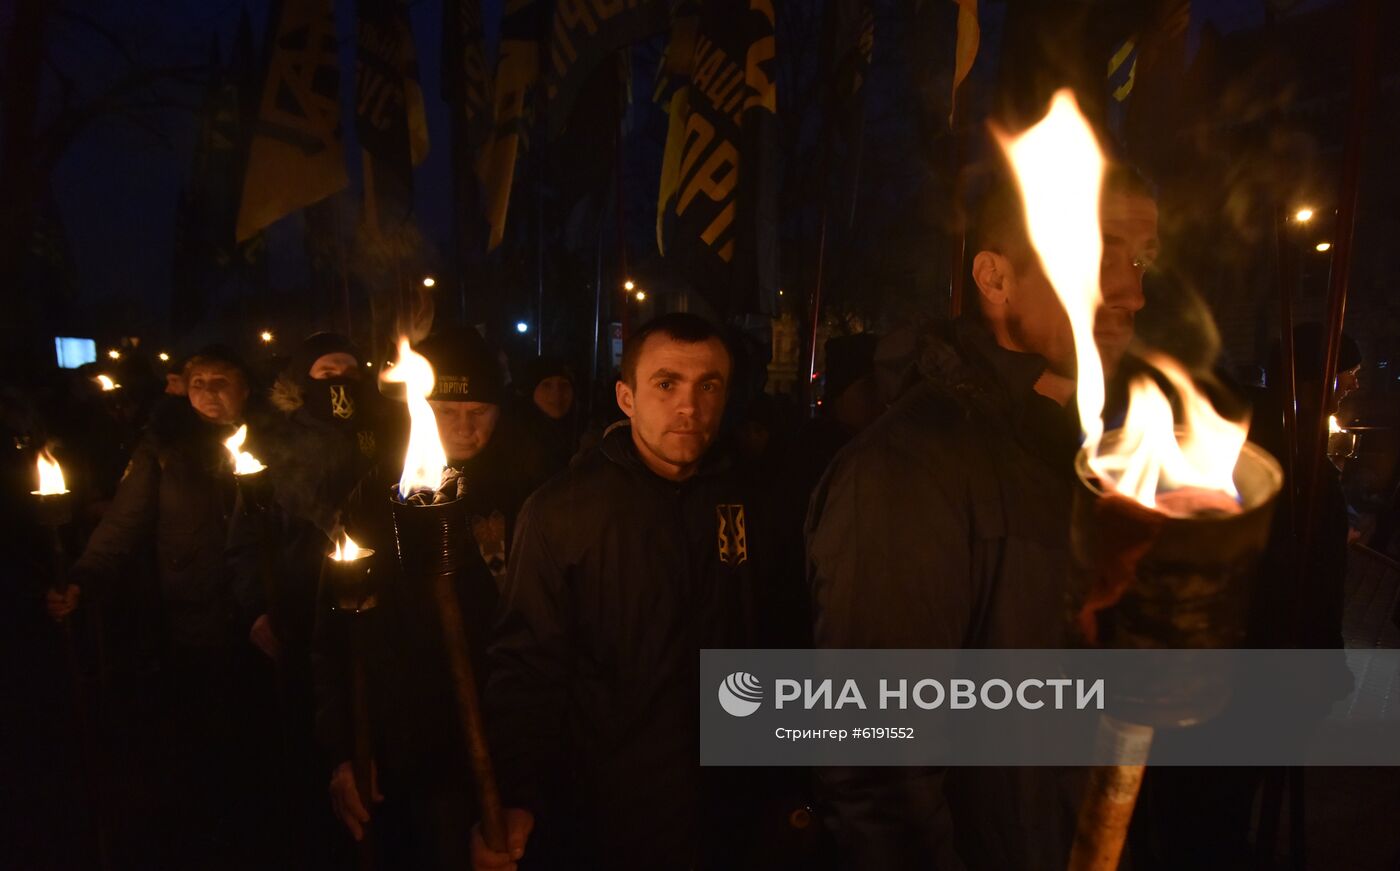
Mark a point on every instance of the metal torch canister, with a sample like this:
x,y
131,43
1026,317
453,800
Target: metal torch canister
x,y
54,511
1166,582
432,545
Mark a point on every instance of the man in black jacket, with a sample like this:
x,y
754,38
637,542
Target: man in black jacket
x,y
945,525
420,766
622,569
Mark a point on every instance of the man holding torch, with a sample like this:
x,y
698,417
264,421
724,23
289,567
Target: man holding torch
x,y
945,525
177,495
623,567
421,771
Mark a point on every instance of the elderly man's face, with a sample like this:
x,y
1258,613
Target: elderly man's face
x,y
218,393
465,427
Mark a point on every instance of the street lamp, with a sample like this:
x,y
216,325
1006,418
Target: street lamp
x,y
164,357
629,285
522,327
641,295
114,354
1303,215
1324,247
266,336
429,281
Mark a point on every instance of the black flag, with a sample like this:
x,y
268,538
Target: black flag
x,y
582,34
720,222
389,114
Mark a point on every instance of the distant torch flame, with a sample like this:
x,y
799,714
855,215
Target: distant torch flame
x,y
349,551
1333,428
1059,168
244,463
425,459
51,481
107,383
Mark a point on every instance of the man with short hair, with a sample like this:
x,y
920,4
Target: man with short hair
x,y
622,569
945,525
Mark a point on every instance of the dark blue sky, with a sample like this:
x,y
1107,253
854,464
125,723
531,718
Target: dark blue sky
x,y
116,189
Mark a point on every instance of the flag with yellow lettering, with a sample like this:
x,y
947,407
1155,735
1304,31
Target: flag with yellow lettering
x,y
581,35
517,74
719,222
389,114
296,156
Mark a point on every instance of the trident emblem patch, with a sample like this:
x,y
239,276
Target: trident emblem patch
x,y
342,405
733,535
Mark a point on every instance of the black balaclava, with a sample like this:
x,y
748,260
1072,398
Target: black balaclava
x,y
334,400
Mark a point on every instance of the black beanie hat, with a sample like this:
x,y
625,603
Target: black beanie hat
x,y
540,368
318,345
465,368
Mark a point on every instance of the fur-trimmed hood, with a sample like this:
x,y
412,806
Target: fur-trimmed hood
x,y
286,394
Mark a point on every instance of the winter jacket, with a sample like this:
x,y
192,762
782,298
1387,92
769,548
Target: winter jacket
x,y
618,578
178,490
945,525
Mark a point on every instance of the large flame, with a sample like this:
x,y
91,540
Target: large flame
x,y
51,481
425,459
1333,428
106,383
244,463
1059,168
347,550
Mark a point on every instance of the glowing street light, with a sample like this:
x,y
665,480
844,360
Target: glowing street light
x,y
429,281
266,336
164,357
522,327
1324,247
114,354
641,295
1303,215
629,285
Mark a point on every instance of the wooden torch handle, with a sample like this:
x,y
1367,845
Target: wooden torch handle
x,y
1109,797
493,827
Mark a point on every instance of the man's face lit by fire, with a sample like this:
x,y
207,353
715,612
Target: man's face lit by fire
x,y
1023,300
218,393
676,403
465,427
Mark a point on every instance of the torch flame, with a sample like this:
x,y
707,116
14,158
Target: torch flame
x,y
425,459
1059,168
106,383
350,550
1333,428
244,463
51,481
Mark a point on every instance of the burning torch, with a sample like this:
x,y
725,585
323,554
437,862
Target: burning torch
x,y
254,499
348,574
1170,516
54,507
432,532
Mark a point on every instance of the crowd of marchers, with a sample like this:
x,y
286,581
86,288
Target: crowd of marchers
x,y
925,505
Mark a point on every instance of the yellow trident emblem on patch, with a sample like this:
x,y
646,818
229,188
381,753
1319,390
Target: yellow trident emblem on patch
x,y
733,535
342,405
